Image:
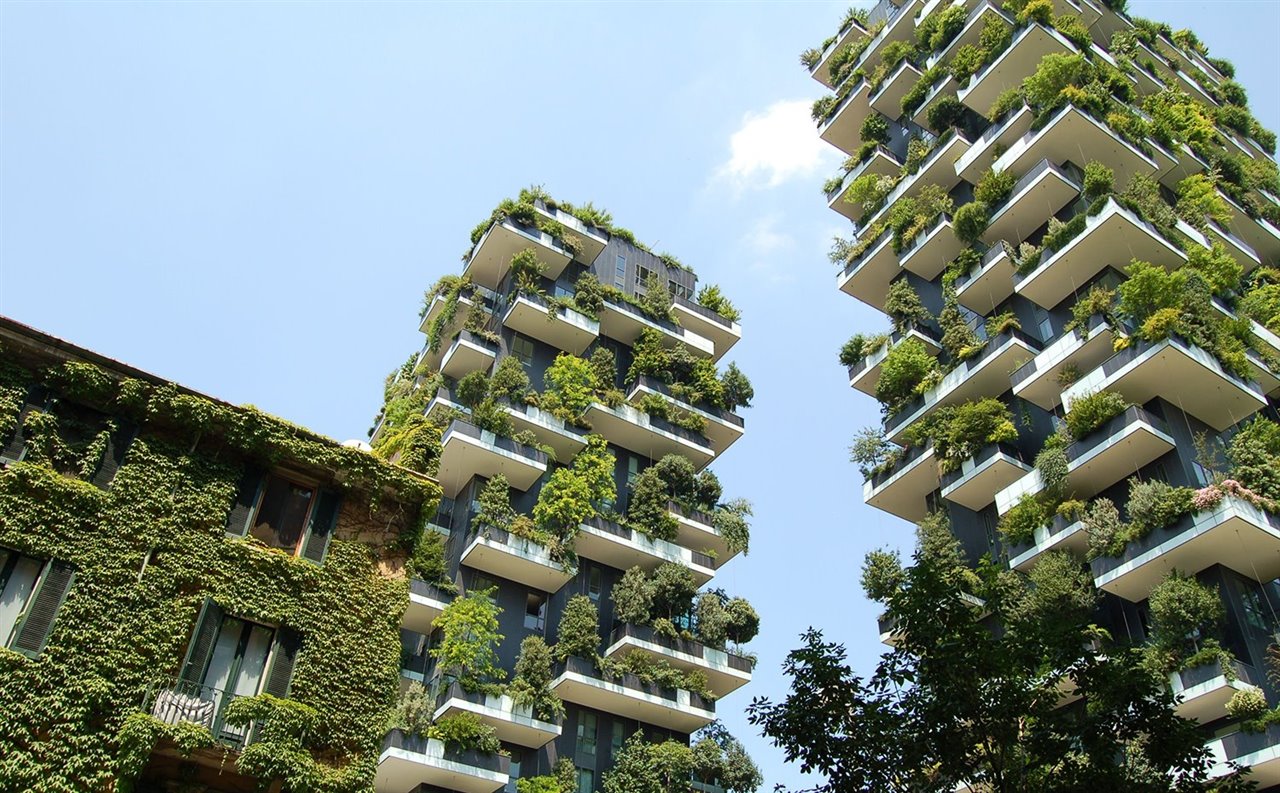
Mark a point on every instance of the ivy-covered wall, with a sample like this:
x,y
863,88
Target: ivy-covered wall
x,y
150,544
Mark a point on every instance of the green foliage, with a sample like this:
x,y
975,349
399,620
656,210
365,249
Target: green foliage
x,y
1099,180
472,389
469,638
1155,503
1184,615
633,597
1003,322
859,346
1019,523
875,129
1261,302
970,221
1200,202
731,523
994,187
911,216
414,710
736,388
1092,411
427,561
906,367
871,451
1247,704
1219,269
464,731
958,432
510,382
569,496
656,300
882,575
647,508
643,767
958,339
1254,453
649,356
1099,300
1006,101
903,306
710,297
945,113
588,295
531,685
936,31
579,630
568,387
673,590
1073,29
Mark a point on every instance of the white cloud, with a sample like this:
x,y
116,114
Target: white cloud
x,y
774,146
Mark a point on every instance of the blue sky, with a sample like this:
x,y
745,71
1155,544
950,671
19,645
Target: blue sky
x,y
251,199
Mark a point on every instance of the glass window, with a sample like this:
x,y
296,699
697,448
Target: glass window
x,y
239,657
513,771
593,583
616,738
535,612
18,577
480,583
522,348
620,271
586,780
1044,324
1203,477
587,734
642,275
282,513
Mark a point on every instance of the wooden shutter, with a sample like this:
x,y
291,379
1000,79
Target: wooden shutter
x,y
37,620
283,656
246,499
117,446
13,445
320,529
201,646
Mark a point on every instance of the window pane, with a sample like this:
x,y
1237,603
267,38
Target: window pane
x,y
282,514
615,740
593,583
587,734
17,591
522,348
254,662
620,271
535,612
222,664
586,780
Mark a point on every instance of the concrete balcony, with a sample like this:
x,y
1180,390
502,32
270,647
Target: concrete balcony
x,y
1257,751
622,321
1003,132
821,71
621,547
468,353
932,250
1240,250
983,376
867,277
1184,375
566,439
426,602
1040,194
1012,66
1060,534
887,98
990,285
1257,233
408,761
519,559
636,430
697,531
513,723
902,489
491,257
887,626
1203,691
843,128
1235,534
578,681
900,25
591,240
938,168
562,328
725,671
882,162
979,478
865,374
723,426
1073,135
467,299
1039,380
1115,236
468,451
723,333
971,34
1104,457
943,88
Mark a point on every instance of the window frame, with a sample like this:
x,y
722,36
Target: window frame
x,y
307,518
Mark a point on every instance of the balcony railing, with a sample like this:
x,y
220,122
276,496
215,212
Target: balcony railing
x,y
460,427
661,548
702,311
689,647
585,668
909,456
175,701
431,748
654,384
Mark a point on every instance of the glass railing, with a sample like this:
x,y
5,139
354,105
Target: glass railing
x,y
988,452
416,744
460,427
646,633
654,384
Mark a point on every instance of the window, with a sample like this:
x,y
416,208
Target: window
x,y
616,738
1202,474
586,780
642,275
480,583
535,612
31,592
620,271
282,513
1044,324
677,289
593,583
513,771
522,348
587,734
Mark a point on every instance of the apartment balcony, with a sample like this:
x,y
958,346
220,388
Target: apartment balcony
x,y
867,277
1075,136
1257,751
723,426
1115,236
591,240
991,284
1240,250
1104,457
426,602
887,626
723,333
982,376
654,437
938,168
1175,76
1016,63
697,530
1184,375
1174,165
726,672
468,451
1060,534
821,71
1040,194
865,374
887,98
1040,380
565,439
578,681
173,701
1262,237
900,25
468,353
467,299
562,328
901,490
519,559
843,128
621,547
943,88
408,761
882,162
513,723
971,34
979,478
1002,133
624,322
491,257
443,404
1235,534
1203,691
932,250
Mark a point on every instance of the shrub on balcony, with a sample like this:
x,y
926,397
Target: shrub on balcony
x,y
958,432
466,732
936,31
1053,466
655,671
994,187
569,496
510,382
903,306
1184,615
1199,202
1007,100
1099,300
647,508
450,287
731,522
1099,181
1091,411
946,113
1261,301
579,631
859,347
958,338
531,686
1254,454
1107,533
872,451
970,221
1154,504
467,651
882,575
910,216
427,561
870,190
712,298
907,367
1019,523
568,387
1004,322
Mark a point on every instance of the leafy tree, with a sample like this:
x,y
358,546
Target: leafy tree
x,y
711,297
570,494
720,758
644,767
647,509
947,112
495,503
731,522
632,597
875,129
903,306
656,300
473,389
737,388
569,386
673,590
905,368
1254,453
743,621
467,651
579,631
650,357
604,369
510,382
713,619
531,685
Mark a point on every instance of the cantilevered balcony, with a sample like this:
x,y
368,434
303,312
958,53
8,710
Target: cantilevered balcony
x,y
623,548
697,531
1040,194
1060,534
491,256
1203,691
976,482
723,333
1115,236
901,489
1075,136
899,25
1183,375
726,672
1240,250
624,322
821,71
1258,233
578,681
946,87
467,299
887,98
1234,533
519,559
723,426
513,723
971,34
882,162
867,276
591,239
843,128
982,376
1102,458
408,761
649,435
887,626
1257,751
1004,131
562,328
1011,67
426,602
932,250
468,353
865,374
988,286
937,168
565,439
1040,381
468,451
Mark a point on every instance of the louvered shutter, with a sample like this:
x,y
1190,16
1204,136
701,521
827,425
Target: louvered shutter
x,y
14,444
246,499
37,620
201,646
320,529
283,656
117,446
